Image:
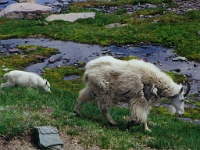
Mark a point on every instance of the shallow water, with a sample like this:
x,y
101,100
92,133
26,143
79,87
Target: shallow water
x,y
71,53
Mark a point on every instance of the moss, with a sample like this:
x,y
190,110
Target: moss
x,y
38,50
160,110
30,55
129,57
178,78
56,76
193,113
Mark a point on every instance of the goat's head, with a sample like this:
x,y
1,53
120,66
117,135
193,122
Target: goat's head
x,y
178,100
46,86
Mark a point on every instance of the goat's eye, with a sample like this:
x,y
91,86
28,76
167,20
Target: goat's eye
x,y
182,100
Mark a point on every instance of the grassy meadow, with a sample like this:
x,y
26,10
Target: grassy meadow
x,y
23,108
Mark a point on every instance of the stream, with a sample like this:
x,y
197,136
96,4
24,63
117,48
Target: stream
x,y
71,53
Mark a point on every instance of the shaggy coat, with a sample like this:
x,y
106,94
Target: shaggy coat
x,y
22,78
109,80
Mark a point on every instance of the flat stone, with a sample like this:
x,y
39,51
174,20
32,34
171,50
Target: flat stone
x,y
3,2
71,17
115,25
47,136
179,59
25,11
39,57
26,1
14,50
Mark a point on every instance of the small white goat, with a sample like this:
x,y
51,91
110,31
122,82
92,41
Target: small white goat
x,y
22,78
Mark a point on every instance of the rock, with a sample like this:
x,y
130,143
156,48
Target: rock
x,y
25,1
115,25
14,50
195,65
177,70
47,137
54,58
118,53
71,17
39,57
25,11
3,2
179,58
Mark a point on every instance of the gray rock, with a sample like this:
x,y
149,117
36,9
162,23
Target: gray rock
x,y
25,11
47,136
115,25
179,59
14,50
3,2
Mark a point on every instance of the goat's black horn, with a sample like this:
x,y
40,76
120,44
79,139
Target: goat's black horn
x,y
187,89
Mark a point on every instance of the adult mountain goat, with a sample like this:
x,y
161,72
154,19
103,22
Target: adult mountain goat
x,y
140,84
23,78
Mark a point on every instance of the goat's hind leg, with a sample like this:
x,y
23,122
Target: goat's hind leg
x,y
104,105
84,95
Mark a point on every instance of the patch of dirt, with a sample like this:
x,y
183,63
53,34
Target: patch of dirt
x,y
17,143
25,143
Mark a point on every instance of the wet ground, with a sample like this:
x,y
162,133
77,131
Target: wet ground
x,y
71,53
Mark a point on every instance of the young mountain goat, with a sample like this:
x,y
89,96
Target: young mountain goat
x,y
22,78
140,84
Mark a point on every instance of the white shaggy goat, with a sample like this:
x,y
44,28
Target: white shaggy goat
x,y
22,78
140,84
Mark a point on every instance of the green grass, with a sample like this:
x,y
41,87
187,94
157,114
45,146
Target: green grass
x,y
179,31
23,108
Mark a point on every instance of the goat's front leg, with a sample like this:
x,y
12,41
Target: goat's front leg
x,y
139,111
145,127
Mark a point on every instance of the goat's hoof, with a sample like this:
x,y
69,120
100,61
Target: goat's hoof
x,y
77,113
148,130
132,123
112,124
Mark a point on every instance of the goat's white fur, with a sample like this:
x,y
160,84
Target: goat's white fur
x,y
23,78
109,80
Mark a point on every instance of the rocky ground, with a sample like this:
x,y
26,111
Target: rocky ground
x,y
62,5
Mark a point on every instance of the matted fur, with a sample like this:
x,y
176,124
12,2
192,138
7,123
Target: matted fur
x,y
109,80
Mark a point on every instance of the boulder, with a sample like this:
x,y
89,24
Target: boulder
x,y
25,11
47,137
71,17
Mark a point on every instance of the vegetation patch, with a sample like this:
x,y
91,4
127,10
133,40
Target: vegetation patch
x,y
168,28
30,55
